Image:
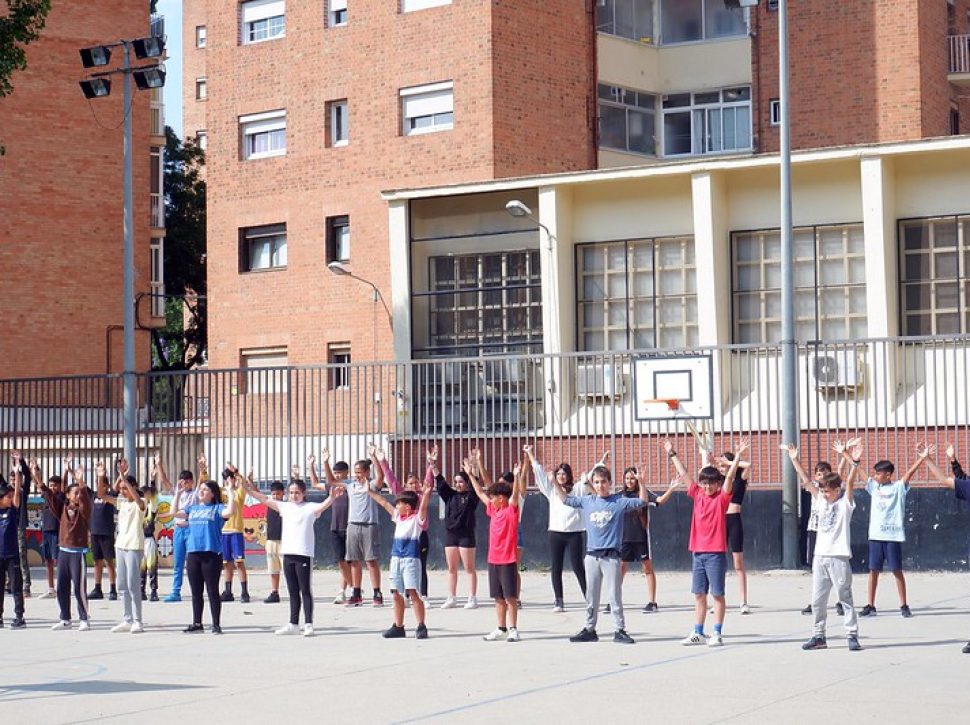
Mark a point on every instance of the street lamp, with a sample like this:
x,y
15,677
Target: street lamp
x,y
98,85
517,208
341,271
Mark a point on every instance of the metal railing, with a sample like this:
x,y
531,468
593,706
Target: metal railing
x,y
157,211
959,53
893,392
157,120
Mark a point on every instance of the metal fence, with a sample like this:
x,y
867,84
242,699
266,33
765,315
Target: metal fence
x,y
893,392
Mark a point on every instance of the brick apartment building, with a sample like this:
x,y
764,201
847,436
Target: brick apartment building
x,y
61,202
309,110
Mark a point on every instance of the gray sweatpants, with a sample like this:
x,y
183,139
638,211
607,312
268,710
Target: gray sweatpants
x,y
828,572
129,582
603,572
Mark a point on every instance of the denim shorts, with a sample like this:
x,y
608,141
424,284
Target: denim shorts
x,y
708,573
49,545
405,573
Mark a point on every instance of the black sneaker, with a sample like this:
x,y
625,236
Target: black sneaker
x,y
421,632
868,611
144,595
378,600
273,598
807,610
585,635
27,592
854,645
839,609
216,629
244,598
226,596
815,643
153,597
622,637
96,593
394,632
113,595
1,627
966,649
650,607
18,623
905,611
193,628
607,609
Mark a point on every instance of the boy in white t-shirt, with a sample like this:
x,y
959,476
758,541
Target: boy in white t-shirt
x,y
886,530
409,515
831,565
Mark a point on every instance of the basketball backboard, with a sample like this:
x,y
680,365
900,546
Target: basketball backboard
x,y
659,381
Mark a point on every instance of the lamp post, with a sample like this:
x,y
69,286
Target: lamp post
x,y
340,270
517,208
98,85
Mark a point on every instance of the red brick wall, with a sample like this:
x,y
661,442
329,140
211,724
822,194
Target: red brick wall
x,y
193,66
61,200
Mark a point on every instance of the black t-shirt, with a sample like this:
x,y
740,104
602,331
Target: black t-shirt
x,y
49,523
274,525
740,487
102,517
460,507
633,529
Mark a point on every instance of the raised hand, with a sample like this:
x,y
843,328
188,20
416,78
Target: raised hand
x,y
379,454
926,451
853,442
743,445
951,452
838,446
668,446
432,454
99,469
32,464
856,453
325,455
516,469
371,449
311,460
69,461
791,449
203,463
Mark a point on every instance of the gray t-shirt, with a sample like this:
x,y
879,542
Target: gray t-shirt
x,y
362,509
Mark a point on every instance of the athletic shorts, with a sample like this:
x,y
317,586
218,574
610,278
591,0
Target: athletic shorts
x,y
462,538
233,548
708,573
273,563
102,547
49,545
635,551
338,539
502,581
888,553
735,533
405,573
363,542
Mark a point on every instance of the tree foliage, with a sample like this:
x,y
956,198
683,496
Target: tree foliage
x,y
21,25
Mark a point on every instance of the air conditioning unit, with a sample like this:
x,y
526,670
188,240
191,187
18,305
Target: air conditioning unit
x,y
599,380
834,371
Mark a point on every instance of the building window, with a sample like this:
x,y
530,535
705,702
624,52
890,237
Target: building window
x,y
684,21
774,112
772,5
156,184
338,239
707,122
954,119
635,295
627,120
484,303
409,5
338,357
935,275
157,282
201,90
830,284
428,108
263,20
199,36
262,248
263,134
337,14
266,371
202,139
339,123
626,18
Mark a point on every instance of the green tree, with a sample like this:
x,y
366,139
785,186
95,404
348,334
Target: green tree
x,y
21,25
181,344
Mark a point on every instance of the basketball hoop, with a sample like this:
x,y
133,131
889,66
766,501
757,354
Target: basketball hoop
x,y
671,403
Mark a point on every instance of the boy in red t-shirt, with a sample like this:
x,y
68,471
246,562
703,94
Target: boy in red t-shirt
x,y
502,509
708,540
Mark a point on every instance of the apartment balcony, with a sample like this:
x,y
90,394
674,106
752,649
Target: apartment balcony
x,y
157,117
959,60
157,26
157,211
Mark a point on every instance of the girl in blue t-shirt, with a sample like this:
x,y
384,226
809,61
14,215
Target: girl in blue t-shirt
x,y
204,546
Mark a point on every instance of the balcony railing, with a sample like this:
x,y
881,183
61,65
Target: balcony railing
x,y
157,119
158,299
157,212
960,54
157,26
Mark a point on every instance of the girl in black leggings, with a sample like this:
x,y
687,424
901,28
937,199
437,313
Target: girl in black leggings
x,y
296,546
204,561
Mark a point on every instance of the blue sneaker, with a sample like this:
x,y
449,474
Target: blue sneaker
x,y
173,597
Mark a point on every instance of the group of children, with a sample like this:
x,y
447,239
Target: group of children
x,y
615,526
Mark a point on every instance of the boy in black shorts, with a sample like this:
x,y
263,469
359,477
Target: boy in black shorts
x,y
339,514
274,535
49,526
103,543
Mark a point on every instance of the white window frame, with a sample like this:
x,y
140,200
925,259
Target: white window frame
x,y
338,238
275,234
268,125
339,357
606,19
705,32
774,112
200,36
201,89
258,15
157,282
339,111
337,13
410,6
621,99
202,139
434,102
260,377
693,109
947,268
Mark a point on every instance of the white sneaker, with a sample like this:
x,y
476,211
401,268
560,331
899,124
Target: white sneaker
x,y
496,635
121,627
745,609
307,630
288,629
715,641
558,607
49,594
341,597
694,638
472,603
136,628
450,603
83,626
513,634
62,625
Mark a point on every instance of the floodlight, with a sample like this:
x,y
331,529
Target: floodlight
x,y
152,47
95,87
146,78
96,56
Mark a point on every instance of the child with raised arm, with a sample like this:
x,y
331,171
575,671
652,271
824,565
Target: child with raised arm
x,y
9,548
501,507
831,565
408,514
274,534
339,512
129,545
149,562
186,494
411,483
603,515
233,542
887,533
461,503
708,540
74,513
49,524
